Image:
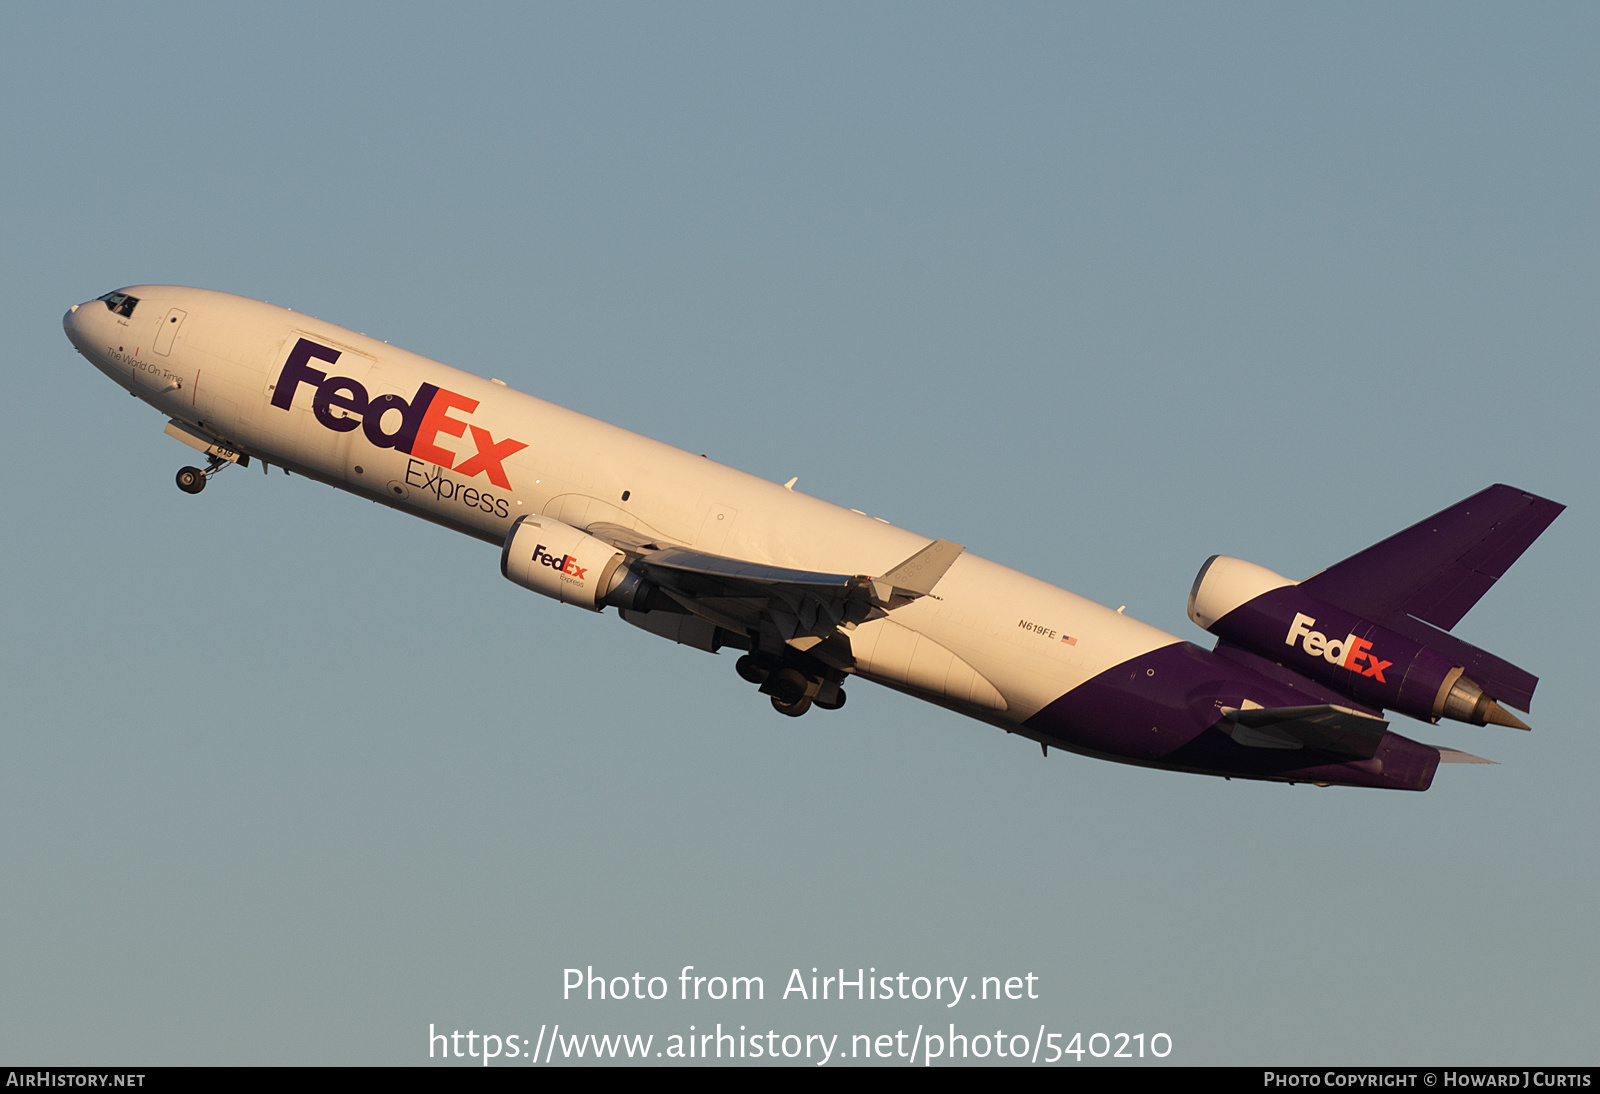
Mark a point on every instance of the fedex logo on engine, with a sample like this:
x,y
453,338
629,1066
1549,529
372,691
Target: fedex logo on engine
x,y
421,420
1347,652
566,564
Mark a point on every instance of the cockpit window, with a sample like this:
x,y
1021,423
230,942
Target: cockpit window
x,y
120,303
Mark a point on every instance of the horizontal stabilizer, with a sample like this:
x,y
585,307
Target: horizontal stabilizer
x,y
1438,568
1339,730
1456,756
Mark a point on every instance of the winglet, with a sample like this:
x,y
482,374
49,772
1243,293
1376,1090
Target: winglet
x,y
917,575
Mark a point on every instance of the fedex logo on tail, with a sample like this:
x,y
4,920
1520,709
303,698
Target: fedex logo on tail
x,y
1347,652
419,424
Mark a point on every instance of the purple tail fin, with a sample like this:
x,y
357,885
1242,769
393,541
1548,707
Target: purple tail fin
x,y
1421,581
1438,568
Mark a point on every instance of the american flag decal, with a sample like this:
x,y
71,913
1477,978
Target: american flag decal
x,y
1069,640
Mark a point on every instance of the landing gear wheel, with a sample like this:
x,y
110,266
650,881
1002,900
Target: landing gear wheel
x,y
793,710
752,669
838,701
788,687
191,480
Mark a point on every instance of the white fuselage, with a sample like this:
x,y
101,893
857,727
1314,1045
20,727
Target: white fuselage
x,y
213,361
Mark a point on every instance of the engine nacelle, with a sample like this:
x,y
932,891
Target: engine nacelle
x,y
1224,583
1273,617
561,562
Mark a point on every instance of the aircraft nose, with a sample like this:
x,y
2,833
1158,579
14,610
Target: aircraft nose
x,y
69,323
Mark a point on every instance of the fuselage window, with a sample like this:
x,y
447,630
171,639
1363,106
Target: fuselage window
x,y
120,303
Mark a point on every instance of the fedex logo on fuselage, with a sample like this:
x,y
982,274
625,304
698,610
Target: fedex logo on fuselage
x,y
566,564
421,419
1347,652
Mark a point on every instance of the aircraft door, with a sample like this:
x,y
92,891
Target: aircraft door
x,y
171,323
155,371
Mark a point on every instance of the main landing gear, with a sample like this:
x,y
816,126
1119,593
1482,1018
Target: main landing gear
x,y
794,687
192,480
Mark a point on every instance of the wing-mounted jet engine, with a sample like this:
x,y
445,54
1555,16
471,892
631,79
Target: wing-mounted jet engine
x,y
798,625
561,562
1375,627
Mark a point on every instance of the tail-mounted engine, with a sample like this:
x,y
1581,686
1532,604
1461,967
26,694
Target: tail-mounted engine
x,y
1423,673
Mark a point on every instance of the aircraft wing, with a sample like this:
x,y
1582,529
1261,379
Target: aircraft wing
x,y
741,594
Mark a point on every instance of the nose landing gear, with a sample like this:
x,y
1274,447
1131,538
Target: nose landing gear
x,y
192,480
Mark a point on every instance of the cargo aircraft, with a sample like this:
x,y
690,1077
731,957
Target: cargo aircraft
x,y
1295,688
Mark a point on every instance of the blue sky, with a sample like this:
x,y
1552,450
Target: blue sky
x,y
1097,291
